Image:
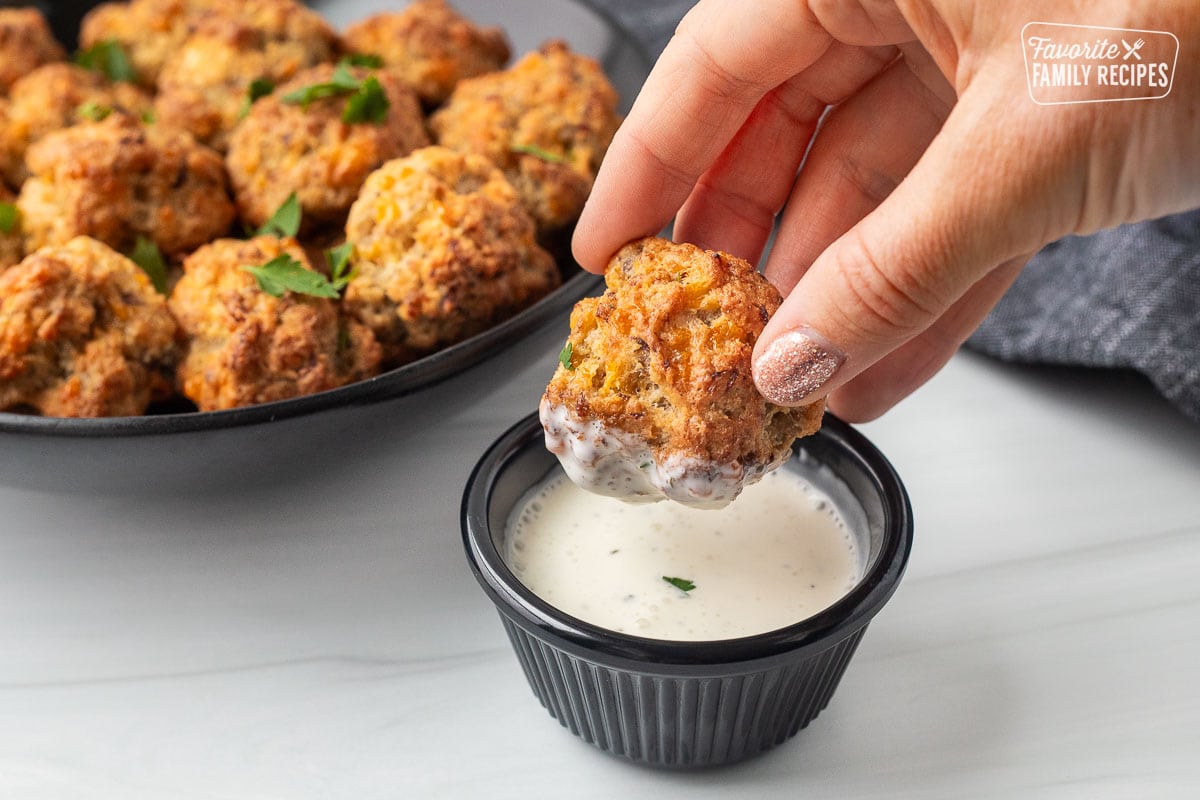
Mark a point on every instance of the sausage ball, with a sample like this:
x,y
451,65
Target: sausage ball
x,y
431,46
245,346
117,180
654,397
149,31
54,97
25,44
546,122
281,148
12,248
83,334
442,250
203,85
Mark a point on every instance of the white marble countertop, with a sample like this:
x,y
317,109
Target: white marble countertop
x,y
325,638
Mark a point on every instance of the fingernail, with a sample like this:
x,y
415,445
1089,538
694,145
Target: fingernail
x,y
795,366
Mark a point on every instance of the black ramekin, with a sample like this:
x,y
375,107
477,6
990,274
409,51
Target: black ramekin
x,y
689,704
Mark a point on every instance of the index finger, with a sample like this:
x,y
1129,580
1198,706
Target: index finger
x,y
723,59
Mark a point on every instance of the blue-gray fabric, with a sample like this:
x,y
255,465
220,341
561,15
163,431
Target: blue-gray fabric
x,y
1128,297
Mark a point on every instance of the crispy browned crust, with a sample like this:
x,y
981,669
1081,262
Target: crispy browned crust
x,y
442,250
202,85
118,179
49,99
25,44
431,46
82,334
245,346
553,100
149,31
280,148
664,354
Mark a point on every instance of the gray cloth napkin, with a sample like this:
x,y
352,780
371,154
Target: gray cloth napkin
x,y
1122,298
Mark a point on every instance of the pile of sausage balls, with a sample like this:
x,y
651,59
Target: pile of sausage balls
x,y
230,202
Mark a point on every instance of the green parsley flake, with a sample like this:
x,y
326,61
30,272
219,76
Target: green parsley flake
x,y
534,150
285,221
149,117
284,273
94,111
10,217
339,265
258,89
368,104
564,355
108,58
367,100
147,256
368,60
683,584
342,82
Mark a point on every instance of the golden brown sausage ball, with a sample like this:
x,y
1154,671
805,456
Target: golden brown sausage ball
x,y
202,86
149,31
654,397
83,334
12,248
443,250
430,45
54,97
282,148
246,346
546,122
119,179
25,44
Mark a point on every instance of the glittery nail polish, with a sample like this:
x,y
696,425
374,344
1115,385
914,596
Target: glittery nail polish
x,y
795,366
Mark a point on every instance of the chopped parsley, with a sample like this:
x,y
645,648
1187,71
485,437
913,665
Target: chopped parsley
x,y
682,584
564,355
285,221
284,273
367,101
147,256
109,59
10,217
258,88
149,117
368,60
340,273
94,111
368,104
537,152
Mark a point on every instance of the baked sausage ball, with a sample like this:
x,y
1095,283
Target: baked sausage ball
x,y
245,346
442,250
25,44
282,148
83,334
546,122
654,397
119,179
54,97
202,86
430,45
149,31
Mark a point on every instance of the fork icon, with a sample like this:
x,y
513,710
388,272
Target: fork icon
x,y
1132,49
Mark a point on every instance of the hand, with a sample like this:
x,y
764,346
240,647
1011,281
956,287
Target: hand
x,y
931,181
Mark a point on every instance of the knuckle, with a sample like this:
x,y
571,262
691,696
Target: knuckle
x,y
884,303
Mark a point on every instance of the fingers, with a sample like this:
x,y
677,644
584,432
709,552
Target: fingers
x,y
901,372
734,203
713,73
902,267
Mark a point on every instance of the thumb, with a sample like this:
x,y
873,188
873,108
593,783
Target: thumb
x,y
986,190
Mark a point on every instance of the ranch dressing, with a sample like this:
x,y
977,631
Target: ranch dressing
x,y
779,554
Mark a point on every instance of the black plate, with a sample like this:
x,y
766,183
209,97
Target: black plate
x,y
116,453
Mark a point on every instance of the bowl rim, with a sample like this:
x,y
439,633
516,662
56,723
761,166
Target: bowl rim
x,y
818,632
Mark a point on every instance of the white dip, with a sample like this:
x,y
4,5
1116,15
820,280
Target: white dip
x,y
777,555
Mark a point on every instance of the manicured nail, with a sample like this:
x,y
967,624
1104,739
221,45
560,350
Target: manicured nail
x,y
795,366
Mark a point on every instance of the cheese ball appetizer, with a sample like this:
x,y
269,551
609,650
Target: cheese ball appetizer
x,y
283,147
54,97
12,247
431,46
653,397
26,43
546,122
245,346
148,31
442,249
117,180
83,334
204,84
